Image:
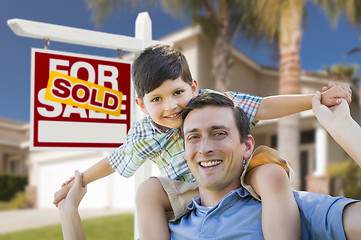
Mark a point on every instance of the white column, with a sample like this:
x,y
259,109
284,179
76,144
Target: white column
x,y
321,150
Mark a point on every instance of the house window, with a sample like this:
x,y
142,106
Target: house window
x,y
307,154
306,137
14,164
273,141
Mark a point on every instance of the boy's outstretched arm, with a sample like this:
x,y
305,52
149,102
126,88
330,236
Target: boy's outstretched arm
x,y
283,105
99,170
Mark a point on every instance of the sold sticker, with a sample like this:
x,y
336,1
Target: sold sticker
x,y
72,91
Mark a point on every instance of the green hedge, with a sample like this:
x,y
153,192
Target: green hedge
x,y
350,175
10,184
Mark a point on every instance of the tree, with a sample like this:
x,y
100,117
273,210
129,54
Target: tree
x,y
341,70
221,22
284,18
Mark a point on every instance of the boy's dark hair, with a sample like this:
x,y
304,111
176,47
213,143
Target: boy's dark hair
x,y
219,100
155,65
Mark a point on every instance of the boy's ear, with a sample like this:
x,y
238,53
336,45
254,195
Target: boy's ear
x,y
140,103
194,87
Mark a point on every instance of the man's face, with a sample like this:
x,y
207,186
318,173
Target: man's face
x,y
213,148
166,103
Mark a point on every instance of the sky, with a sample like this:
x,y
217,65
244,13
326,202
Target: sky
x,y
322,45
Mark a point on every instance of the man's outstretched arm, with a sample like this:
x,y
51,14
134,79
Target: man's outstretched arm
x,y
342,127
69,214
347,133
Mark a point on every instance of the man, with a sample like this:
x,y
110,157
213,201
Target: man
x,y
217,141
217,144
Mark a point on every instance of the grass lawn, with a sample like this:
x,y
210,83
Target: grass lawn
x,y
120,227
4,205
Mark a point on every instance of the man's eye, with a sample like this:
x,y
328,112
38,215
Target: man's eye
x,y
220,134
178,92
156,99
192,137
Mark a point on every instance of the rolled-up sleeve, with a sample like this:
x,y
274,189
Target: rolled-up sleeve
x,y
321,215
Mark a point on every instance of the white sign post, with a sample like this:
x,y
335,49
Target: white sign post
x,y
51,32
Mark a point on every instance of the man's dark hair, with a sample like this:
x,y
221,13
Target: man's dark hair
x,y
219,100
155,65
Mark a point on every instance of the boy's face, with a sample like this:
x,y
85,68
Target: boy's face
x,y
165,104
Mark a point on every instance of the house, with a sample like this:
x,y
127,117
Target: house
x,y
14,146
48,169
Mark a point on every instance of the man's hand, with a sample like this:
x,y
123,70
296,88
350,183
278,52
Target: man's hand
x,y
68,209
75,194
332,94
326,115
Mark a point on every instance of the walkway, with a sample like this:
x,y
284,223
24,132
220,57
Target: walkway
x,y
17,220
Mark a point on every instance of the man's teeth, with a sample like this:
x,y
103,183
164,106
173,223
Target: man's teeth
x,y
210,163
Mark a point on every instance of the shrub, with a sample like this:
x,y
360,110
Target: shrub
x,y
10,184
20,201
348,173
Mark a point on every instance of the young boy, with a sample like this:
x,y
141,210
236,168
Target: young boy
x,y
164,86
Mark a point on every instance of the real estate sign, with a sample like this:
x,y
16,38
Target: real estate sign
x,y
79,101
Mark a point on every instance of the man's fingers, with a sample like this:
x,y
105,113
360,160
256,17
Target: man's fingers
x,y
78,179
317,97
316,101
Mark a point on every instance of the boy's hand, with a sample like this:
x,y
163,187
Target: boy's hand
x,y
63,191
332,94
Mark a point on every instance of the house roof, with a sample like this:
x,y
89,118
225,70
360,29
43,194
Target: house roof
x,y
14,133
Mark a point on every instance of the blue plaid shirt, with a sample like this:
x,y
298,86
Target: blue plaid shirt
x,y
145,141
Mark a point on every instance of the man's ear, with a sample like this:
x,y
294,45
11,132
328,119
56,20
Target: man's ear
x,y
140,103
249,143
194,88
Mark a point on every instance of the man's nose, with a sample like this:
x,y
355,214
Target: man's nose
x,y
205,147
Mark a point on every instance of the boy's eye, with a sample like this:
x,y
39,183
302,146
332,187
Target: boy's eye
x,y
156,99
178,92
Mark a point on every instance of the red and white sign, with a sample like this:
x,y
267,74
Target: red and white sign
x,y
59,125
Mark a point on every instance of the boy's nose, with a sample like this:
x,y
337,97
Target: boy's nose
x,y
170,104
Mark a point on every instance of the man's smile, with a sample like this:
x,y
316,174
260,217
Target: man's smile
x,y
211,163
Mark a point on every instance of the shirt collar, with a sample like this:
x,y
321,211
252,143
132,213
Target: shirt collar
x,y
196,202
158,130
